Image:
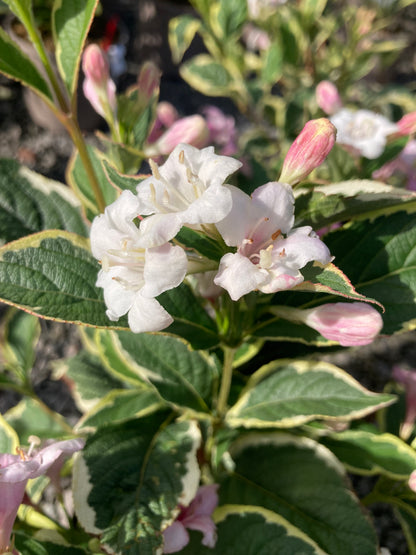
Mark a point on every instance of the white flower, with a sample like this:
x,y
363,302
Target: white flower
x,y
364,130
265,259
187,190
131,275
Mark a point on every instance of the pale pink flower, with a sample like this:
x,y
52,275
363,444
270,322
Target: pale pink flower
x,y
98,87
255,38
269,252
350,324
16,470
308,151
191,130
408,379
328,98
197,516
407,124
131,275
222,130
363,130
412,481
166,115
188,189
404,164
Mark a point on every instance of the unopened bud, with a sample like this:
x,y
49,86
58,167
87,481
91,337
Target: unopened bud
x,y
407,125
148,81
308,151
327,97
191,130
98,87
350,324
95,65
166,113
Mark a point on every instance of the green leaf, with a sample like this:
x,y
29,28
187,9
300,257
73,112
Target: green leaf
x,y
180,375
9,439
229,18
354,199
21,333
89,380
27,418
329,279
30,546
273,64
30,202
17,65
249,530
182,30
304,483
285,394
122,181
366,453
191,320
206,75
130,479
52,274
78,179
202,243
120,406
379,257
70,25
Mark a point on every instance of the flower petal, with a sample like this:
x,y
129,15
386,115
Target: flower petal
x,y
147,315
175,537
238,275
165,268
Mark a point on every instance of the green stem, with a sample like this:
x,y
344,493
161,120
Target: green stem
x,y
227,374
78,140
40,49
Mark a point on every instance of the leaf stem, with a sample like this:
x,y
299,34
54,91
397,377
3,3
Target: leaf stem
x,y
226,378
78,140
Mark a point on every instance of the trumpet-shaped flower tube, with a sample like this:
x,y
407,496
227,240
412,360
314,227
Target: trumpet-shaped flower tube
x,y
188,189
131,275
197,516
265,260
192,130
16,470
408,379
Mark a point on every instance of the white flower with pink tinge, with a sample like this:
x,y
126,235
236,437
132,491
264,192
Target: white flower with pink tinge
x,y
269,252
16,470
197,516
188,189
131,275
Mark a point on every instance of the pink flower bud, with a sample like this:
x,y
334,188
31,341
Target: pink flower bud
x,y
407,125
95,65
308,151
350,324
412,481
191,130
98,87
148,81
327,97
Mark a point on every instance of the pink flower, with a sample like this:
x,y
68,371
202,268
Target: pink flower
x,y
222,131
98,87
412,481
408,379
191,130
350,324
16,470
308,151
197,516
166,115
148,81
265,260
327,97
407,125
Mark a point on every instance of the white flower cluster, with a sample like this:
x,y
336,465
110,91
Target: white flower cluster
x,y
133,238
